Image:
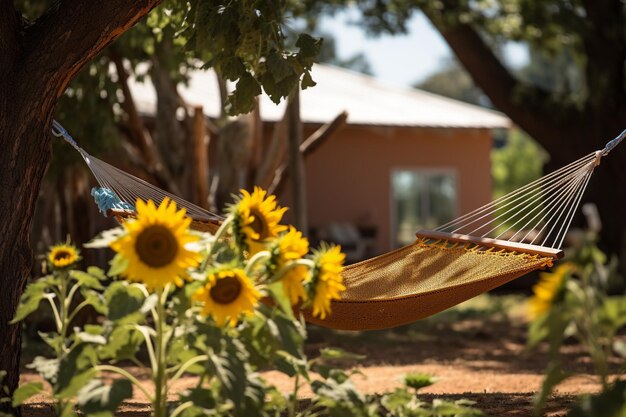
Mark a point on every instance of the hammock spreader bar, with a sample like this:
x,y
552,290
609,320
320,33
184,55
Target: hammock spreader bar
x,y
515,234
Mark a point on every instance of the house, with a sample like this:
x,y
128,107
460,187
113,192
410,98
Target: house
x,y
406,159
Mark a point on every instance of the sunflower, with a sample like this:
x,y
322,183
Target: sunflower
x,y
226,295
257,219
63,255
154,245
547,289
327,281
292,246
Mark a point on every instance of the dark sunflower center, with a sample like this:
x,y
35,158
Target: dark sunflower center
x,y
156,246
62,255
226,290
259,225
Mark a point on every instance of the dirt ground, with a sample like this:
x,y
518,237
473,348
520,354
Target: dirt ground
x,y
475,353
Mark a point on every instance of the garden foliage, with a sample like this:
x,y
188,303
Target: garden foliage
x,y
221,308
573,303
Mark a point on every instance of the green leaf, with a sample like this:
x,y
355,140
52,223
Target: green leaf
x,y
122,343
554,376
52,339
397,400
418,381
95,300
75,370
232,68
332,353
98,399
610,403
86,280
243,99
309,49
279,67
119,264
97,272
448,409
279,90
277,289
201,397
29,302
123,302
25,391
307,80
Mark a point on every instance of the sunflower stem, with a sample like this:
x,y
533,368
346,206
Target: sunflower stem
x,y
127,375
55,311
63,309
160,383
255,259
291,265
70,295
187,365
294,399
218,235
181,408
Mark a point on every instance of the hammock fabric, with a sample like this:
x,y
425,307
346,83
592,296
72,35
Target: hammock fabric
x,y
422,279
444,267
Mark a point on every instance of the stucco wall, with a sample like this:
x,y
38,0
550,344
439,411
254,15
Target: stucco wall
x,y
349,177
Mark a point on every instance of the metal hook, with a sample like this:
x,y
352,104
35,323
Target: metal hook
x,y
612,144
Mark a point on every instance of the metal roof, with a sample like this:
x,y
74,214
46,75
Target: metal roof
x,y
367,100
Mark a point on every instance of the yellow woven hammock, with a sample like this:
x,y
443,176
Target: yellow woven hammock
x,y
444,267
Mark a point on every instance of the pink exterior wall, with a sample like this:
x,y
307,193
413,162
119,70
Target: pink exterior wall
x,y
349,177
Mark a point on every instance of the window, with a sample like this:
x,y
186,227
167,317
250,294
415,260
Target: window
x,y
421,199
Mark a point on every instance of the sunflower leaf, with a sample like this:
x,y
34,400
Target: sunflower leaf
x,y
119,264
25,391
278,293
85,279
30,300
102,400
123,302
122,344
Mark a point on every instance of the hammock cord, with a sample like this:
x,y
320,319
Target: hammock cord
x,y
129,188
545,207
542,210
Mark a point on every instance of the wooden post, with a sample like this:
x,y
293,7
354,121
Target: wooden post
x,y
200,158
296,162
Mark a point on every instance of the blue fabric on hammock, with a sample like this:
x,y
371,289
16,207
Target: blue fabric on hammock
x,y
107,200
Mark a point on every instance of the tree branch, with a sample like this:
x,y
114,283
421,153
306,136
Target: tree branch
x,y
528,106
308,146
72,33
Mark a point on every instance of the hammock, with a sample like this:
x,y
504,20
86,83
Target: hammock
x,y
518,233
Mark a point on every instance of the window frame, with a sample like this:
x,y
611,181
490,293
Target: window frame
x,y
429,172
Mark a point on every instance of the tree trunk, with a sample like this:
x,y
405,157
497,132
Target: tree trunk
x,y
38,62
23,162
296,162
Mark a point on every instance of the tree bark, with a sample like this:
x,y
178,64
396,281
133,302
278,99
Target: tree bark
x,y
38,61
296,163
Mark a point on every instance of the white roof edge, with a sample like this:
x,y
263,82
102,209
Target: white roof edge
x,y
367,100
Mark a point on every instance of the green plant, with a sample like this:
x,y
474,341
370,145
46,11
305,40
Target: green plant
x,y
219,307
573,302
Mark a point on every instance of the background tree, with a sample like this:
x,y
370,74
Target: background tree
x,y
453,81
567,124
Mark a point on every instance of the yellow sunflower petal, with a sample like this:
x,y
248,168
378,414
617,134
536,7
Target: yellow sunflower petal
x,y
154,245
227,295
63,255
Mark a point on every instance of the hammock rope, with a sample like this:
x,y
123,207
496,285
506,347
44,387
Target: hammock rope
x,y
445,266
